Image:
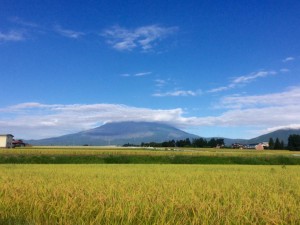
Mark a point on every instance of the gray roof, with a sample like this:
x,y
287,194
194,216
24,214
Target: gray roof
x,y
6,135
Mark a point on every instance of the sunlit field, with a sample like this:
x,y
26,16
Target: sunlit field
x,y
90,150
149,194
118,155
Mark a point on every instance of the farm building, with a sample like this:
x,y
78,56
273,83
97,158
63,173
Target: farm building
x,y
18,143
262,146
6,141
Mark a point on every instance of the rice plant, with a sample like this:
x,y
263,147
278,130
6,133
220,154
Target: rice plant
x,y
149,194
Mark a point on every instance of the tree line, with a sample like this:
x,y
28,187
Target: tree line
x,y
194,143
293,143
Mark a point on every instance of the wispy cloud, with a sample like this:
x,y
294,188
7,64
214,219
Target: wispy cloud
x,y
289,97
242,80
12,35
68,33
160,83
35,28
219,89
252,76
287,59
22,22
176,93
144,38
125,75
140,74
284,70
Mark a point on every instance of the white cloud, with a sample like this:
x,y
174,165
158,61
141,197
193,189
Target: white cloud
x,y
144,38
12,35
142,74
68,33
176,93
35,120
219,89
287,59
284,70
243,80
285,127
252,76
160,82
289,97
260,112
34,29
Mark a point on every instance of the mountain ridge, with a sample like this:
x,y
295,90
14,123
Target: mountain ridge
x,y
119,133
281,134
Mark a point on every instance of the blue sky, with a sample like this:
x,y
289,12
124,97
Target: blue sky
x,y
213,68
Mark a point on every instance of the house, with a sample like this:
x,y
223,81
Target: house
x,y
262,146
6,141
259,147
238,145
18,143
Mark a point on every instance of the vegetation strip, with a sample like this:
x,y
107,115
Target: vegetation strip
x,y
148,159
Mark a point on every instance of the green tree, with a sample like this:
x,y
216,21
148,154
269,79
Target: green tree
x,y
199,143
220,142
188,142
294,142
271,143
277,144
212,143
183,143
168,144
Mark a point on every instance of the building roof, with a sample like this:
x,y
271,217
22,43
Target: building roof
x,y
6,135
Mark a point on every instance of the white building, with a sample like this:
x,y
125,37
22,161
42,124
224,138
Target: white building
x,y
6,140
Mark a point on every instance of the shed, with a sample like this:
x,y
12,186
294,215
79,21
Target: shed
x,y
6,140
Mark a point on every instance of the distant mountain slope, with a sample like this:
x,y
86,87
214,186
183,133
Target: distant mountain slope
x,y
229,141
282,135
118,134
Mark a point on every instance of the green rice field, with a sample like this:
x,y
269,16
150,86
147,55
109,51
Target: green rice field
x,y
149,194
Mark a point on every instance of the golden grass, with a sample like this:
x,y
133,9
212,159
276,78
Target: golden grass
x,y
149,194
79,150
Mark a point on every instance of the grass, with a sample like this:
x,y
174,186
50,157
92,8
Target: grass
x,y
149,194
91,155
148,159
90,150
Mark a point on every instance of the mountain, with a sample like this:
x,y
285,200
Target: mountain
x,y
118,134
230,141
282,135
